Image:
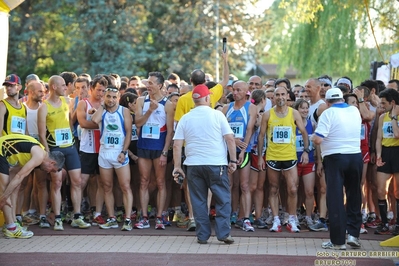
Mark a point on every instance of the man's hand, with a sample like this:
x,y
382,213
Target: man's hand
x,y
153,105
121,157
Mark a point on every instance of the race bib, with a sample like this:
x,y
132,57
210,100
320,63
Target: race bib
x,y
151,131
363,132
18,124
112,140
63,136
134,133
387,131
299,143
282,134
238,129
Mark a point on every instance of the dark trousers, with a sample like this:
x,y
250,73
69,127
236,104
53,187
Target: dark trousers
x,y
343,171
199,179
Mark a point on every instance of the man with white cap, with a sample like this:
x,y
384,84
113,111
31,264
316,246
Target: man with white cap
x,y
346,82
339,140
203,171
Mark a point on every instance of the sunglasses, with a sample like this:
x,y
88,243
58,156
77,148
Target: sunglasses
x,y
326,85
112,89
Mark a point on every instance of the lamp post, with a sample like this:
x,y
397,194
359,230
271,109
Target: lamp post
x,y
217,41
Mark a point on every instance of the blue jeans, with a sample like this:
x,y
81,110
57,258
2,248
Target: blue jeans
x,y
199,179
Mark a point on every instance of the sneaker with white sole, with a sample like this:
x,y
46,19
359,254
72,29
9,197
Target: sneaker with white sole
x,y
363,230
58,226
19,232
247,226
159,224
353,241
111,223
292,226
142,224
319,226
44,223
276,226
127,225
329,245
80,223
308,221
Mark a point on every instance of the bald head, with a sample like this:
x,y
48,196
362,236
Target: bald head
x,y
34,85
55,80
255,82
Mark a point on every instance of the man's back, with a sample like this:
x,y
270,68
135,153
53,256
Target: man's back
x,y
203,129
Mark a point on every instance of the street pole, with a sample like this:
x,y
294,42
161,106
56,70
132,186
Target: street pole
x,y
217,41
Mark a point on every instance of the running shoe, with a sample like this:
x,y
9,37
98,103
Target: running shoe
x,y
159,224
382,230
111,223
239,223
30,219
142,224
308,221
363,230
319,226
395,231
19,232
292,226
329,245
276,226
127,225
165,219
58,225
98,220
260,224
247,227
233,218
44,223
80,223
191,225
228,240
353,241
119,216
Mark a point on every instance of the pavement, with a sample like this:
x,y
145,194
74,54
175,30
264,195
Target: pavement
x,y
177,246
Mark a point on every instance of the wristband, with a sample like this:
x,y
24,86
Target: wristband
x,y
165,153
124,152
231,161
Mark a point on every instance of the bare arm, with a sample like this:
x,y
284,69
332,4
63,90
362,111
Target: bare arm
x,y
140,118
41,125
262,133
378,144
128,129
299,123
81,116
226,70
3,111
97,116
170,113
177,149
231,146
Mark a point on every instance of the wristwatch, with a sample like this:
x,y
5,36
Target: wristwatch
x,y
361,100
233,161
165,153
395,117
124,152
307,150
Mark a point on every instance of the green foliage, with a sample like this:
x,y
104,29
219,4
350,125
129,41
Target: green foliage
x,y
128,37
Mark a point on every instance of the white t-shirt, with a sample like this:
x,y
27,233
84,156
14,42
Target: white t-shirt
x,y
312,109
340,127
203,129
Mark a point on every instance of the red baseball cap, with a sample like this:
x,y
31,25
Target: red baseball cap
x,y
200,91
12,79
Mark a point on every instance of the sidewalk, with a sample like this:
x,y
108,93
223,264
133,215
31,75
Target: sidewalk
x,y
293,250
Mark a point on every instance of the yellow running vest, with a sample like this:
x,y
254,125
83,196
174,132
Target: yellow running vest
x,y
388,139
16,148
281,137
14,119
58,132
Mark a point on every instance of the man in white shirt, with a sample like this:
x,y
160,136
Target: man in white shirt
x,y
206,171
338,133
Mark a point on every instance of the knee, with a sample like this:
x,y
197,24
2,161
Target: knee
x,y
292,191
323,190
273,191
244,188
309,193
125,187
381,192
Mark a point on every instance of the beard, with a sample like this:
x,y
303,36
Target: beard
x,y
12,94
